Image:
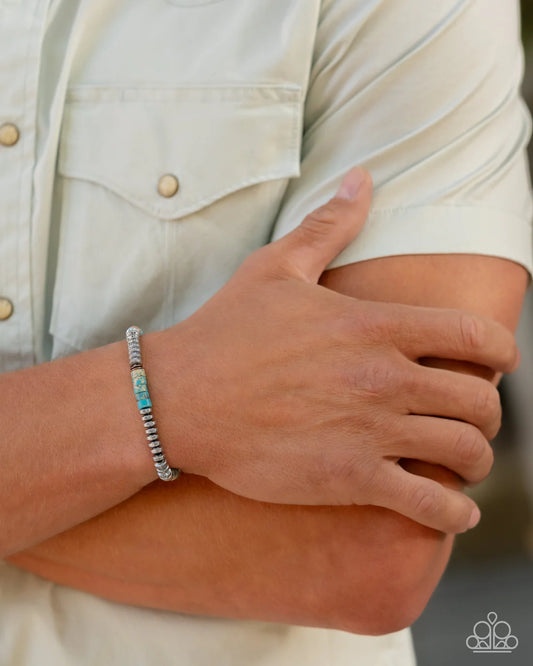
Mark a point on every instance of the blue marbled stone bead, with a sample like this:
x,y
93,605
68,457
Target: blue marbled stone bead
x,y
139,382
142,395
145,402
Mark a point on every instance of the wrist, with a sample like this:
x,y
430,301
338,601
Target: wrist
x,y
170,371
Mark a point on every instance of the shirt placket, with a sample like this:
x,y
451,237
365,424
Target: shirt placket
x,y
21,30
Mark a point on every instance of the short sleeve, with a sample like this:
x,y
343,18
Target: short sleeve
x,y
425,95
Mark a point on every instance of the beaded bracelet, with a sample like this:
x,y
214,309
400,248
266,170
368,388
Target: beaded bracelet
x,y
140,388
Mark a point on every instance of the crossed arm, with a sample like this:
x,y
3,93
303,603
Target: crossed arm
x,y
195,548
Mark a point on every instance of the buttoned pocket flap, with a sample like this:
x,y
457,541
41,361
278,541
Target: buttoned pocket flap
x,y
173,151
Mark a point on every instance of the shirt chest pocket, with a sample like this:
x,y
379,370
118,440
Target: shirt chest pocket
x,y
160,194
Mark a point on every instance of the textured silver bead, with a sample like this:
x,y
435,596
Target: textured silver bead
x,y
152,438
147,417
145,410
171,475
151,431
158,449
149,424
159,458
154,444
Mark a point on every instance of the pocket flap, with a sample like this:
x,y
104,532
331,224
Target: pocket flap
x,y
214,140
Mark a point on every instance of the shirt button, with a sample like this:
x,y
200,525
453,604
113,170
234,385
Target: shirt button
x,y
168,185
6,309
9,134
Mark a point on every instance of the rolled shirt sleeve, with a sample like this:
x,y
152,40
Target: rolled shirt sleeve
x,y
425,95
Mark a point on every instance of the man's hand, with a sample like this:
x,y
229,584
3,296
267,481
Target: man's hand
x,y
305,396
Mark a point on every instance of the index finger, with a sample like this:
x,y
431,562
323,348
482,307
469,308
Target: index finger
x,y
453,334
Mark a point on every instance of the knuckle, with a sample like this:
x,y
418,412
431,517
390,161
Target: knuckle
x,y
473,334
487,407
376,378
255,262
510,352
337,467
344,472
318,222
470,446
368,324
382,321
412,381
426,501
362,324
271,262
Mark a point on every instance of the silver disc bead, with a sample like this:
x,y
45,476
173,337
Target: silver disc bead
x,y
134,330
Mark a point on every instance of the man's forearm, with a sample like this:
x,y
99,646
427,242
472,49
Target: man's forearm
x,y
198,549
72,442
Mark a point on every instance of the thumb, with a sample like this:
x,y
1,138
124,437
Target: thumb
x,y
307,250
